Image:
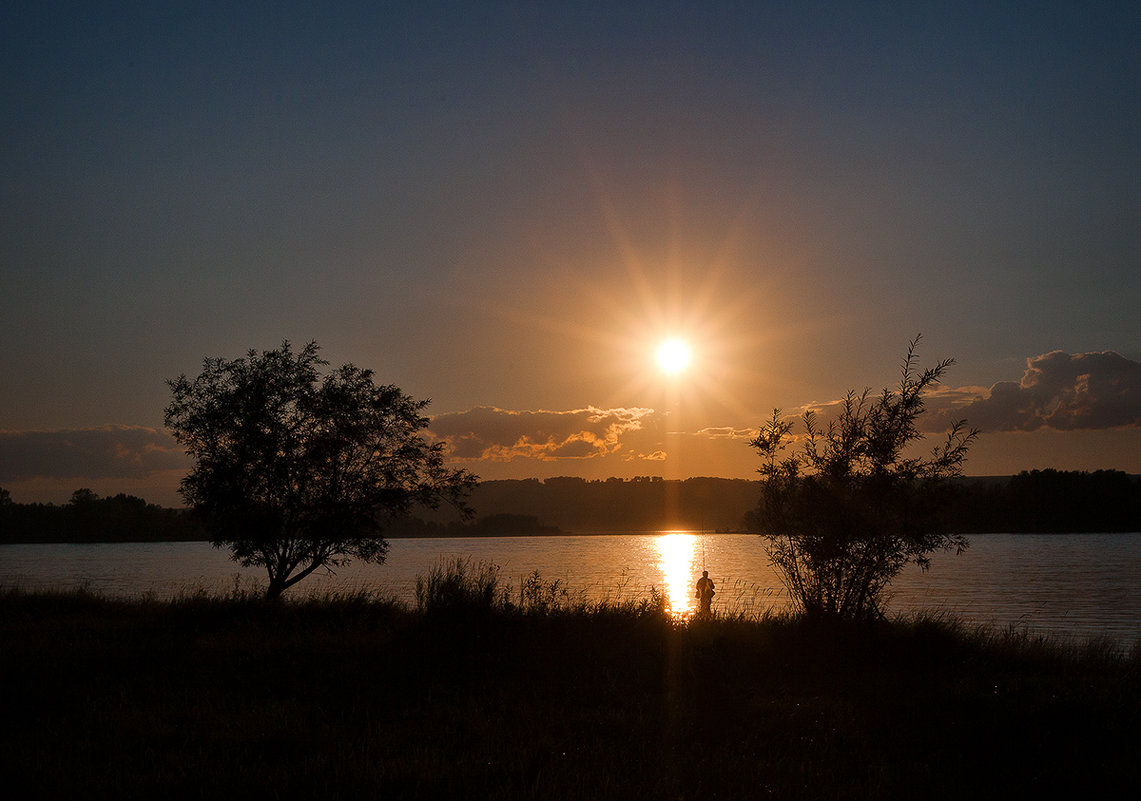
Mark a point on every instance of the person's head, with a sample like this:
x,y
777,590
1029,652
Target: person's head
x,y
705,574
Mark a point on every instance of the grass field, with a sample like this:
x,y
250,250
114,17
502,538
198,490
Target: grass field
x,y
468,696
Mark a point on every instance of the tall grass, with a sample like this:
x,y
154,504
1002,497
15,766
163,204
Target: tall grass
x,y
460,584
467,586
533,694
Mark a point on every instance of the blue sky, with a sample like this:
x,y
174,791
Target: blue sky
x,y
504,208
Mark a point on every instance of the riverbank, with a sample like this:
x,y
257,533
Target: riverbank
x,y
356,698
1037,501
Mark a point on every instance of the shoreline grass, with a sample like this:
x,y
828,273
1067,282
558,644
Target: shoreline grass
x,y
510,696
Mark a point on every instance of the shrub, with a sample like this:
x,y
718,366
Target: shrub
x,y
460,584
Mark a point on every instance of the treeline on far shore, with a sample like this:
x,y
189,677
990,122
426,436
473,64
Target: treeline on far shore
x,y
87,517
1037,501
1049,502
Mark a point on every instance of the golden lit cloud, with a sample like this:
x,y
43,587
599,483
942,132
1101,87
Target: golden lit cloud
x,y
494,434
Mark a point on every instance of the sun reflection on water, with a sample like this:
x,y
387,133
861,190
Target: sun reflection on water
x,y
678,552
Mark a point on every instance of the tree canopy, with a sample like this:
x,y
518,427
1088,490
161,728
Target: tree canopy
x,y
851,506
297,471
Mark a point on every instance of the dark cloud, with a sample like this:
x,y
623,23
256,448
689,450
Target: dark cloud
x,y
944,406
502,435
1065,392
96,453
1059,391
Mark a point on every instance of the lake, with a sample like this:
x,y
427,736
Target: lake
x,y
1066,585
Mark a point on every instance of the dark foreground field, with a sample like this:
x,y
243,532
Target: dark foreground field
x,y
355,699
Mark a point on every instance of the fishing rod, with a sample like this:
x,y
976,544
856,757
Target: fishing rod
x,y
703,567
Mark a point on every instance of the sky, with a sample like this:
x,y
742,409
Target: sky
x,y
506,207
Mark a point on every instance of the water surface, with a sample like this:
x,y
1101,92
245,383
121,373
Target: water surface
x,y
1069,585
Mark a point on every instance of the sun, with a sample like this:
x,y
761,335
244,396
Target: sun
x,y
674,355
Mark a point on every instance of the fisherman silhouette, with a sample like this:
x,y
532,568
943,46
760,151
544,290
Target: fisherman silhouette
x,y
705,593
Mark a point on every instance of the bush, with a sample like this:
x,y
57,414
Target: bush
x,y
852,507
459,584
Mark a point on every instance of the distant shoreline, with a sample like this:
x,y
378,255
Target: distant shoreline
x,y
1041,501
505,535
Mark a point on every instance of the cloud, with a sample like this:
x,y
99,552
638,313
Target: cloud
x,y
727,432
1065,392
1058,391
95,453
502,435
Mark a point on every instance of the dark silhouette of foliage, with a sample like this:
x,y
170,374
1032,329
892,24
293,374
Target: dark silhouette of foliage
x,y
1034,501
502,524
643,503
86,517
846,512
296,471
217,697
1051,501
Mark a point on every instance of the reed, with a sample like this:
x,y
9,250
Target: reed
x,y
460,585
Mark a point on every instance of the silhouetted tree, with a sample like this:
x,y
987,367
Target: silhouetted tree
x,y
296,471
847,511
83,497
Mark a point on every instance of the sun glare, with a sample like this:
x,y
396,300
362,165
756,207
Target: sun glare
x,y
678,552
673,355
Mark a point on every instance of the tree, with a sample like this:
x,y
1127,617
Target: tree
x,y
295,471
851,507
83,498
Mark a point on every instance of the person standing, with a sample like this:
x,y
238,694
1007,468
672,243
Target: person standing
x,y
705,593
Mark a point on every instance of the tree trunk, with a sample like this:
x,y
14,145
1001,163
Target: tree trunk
x,y
275,589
